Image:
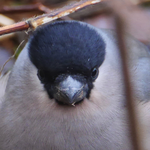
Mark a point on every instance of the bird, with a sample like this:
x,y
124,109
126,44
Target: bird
x,y
66,91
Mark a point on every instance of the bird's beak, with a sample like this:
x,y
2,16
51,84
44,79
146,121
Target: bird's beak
x,y
70,91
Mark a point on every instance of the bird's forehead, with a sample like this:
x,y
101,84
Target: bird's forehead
x,y
66,45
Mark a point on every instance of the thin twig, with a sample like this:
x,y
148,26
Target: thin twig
x,y
133,122
33,23
11,57
24,8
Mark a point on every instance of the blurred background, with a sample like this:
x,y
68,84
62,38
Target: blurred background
x,y
135,13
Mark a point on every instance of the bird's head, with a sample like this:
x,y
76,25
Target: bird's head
x,y
67,56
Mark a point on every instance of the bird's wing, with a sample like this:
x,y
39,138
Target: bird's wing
x,y
138,63
3,84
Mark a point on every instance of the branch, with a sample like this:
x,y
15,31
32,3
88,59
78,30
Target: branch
x,y
33,23
14,27
132,116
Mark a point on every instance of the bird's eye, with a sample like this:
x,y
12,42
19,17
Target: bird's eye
x,y
41,75
94,73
